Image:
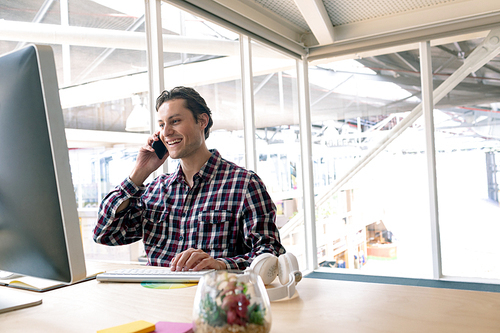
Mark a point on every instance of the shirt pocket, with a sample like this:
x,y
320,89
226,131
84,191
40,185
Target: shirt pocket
x,y
155,227
217,232
156,215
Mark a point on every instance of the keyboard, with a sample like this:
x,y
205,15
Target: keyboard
x,y
151,275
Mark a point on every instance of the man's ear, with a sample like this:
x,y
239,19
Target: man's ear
x,y
203,120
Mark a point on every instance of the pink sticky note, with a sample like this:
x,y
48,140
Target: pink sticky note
x,y
172,327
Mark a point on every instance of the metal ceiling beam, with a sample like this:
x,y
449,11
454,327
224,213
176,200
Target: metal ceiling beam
x,y
316,16
88,138
365,107
263,83
458,56
413,79
38,17
330,91
107,38
389,66
444,64
407,62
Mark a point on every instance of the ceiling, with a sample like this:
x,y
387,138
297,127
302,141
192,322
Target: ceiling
x,y
327,28
382,35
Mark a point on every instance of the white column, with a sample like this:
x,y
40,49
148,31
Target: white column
x,y
154,42
66,53
428,113
307,168
248,103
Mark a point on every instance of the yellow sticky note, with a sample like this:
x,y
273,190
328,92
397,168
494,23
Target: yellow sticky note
x,y
139,326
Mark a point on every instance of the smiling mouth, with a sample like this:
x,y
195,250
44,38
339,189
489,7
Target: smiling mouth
x,y
173,142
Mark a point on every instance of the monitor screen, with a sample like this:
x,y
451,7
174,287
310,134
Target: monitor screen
x,y
39,227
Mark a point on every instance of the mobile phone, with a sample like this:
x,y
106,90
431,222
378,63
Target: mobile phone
x,y
159,148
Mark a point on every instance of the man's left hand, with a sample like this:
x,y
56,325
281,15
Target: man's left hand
x,y
196,260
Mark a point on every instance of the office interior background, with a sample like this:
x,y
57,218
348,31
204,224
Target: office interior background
x,y
330,102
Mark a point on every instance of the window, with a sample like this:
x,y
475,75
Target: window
x,y
467,157
277,138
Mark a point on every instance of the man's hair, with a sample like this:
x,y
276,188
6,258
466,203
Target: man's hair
x,y
193,101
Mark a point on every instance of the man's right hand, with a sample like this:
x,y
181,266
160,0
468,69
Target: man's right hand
x,y
147,161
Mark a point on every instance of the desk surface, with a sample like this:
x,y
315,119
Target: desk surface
x,y
319,306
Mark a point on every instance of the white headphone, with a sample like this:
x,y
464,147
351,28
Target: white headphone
x,y
286,267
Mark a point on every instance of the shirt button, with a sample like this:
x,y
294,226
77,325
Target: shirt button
x,y
183,214
181,238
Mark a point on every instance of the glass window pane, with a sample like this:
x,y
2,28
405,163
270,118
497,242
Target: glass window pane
x,y
467,131
372,208
378,221
205,56
103,90
103,81
277,141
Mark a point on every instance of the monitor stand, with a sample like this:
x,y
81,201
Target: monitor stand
x,y
11,300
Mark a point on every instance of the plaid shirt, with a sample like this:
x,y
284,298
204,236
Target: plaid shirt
x,y
227,213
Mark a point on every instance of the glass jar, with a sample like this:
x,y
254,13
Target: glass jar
x,y
231,301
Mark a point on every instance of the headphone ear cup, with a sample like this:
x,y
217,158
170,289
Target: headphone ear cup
x,y
287,263
265,265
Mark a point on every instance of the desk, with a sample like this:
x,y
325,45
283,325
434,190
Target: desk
x,y
320,306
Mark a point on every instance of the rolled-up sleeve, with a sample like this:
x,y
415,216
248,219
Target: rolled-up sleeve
x,y
124,227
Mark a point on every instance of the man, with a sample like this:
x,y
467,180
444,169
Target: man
x,y
209,213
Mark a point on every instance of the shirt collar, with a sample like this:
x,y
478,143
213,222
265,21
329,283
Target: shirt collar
x,y
178,176
207,170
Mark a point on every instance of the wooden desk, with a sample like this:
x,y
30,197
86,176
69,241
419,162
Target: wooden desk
x,y
320,306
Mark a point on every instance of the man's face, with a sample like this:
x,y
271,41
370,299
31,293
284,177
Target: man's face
x,y
182,135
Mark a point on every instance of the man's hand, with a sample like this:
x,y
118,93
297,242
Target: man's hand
x,y
147,161
196,260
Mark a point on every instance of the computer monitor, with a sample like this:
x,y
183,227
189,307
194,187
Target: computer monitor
x,y
39,227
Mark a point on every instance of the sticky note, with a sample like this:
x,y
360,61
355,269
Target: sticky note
x,y
139,326
173,327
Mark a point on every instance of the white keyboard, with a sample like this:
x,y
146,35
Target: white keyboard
x,y
151,275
